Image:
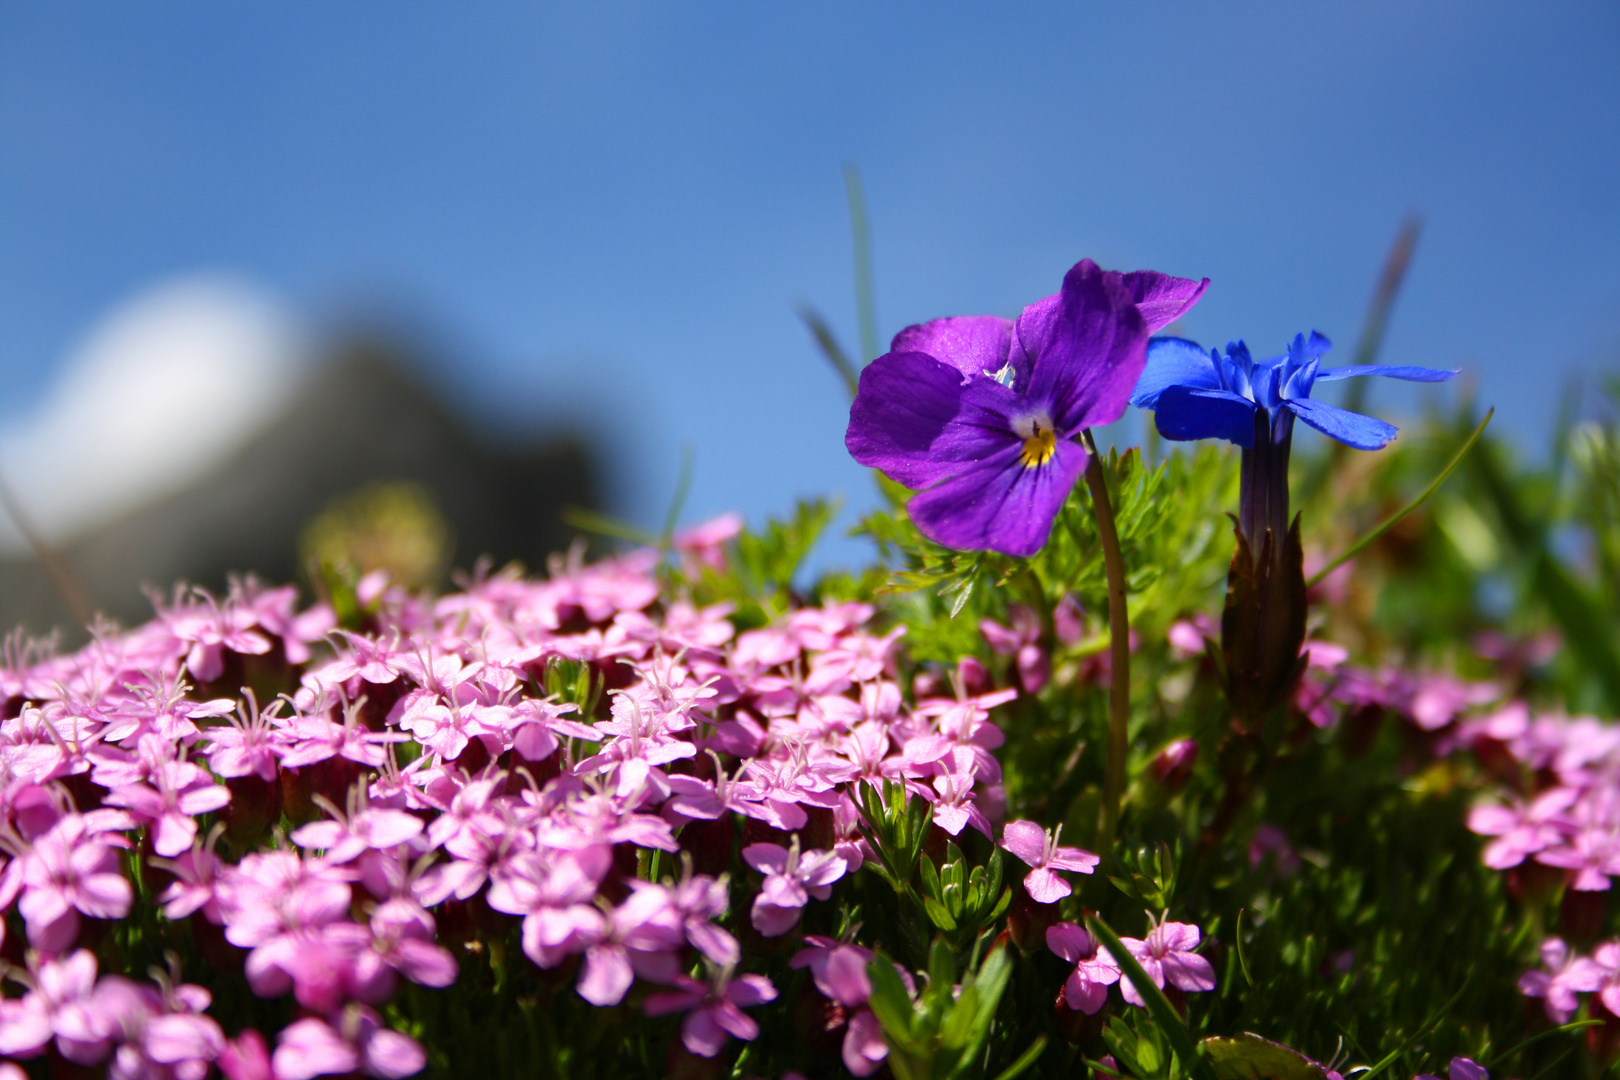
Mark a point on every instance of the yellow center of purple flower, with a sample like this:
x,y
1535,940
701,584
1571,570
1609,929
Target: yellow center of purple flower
x,y
1038,447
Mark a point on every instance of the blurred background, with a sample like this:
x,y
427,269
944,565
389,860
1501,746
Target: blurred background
x,y
281,280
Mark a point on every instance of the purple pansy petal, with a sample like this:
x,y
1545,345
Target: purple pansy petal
x,y
1171,362
1392,371
999,504
1462,1068
914,421
1184,413
1162,299
973,344
1087,351
1352,429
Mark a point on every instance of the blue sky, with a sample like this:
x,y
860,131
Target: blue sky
x,y
603,213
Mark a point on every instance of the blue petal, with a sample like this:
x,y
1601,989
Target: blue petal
x,y
1352,429
1173,361
1237,369
1187,412
1299,384
1410,374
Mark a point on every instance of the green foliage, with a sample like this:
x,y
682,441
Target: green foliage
x,y
943,1033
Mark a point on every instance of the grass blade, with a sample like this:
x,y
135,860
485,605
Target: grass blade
x,y
590,521
682,485
823,335
1383,302
865,305
1025,1060
1390,522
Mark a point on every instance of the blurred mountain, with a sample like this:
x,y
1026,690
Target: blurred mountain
x,y
231,438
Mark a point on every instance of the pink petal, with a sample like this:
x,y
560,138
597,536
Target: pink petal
x,y
1026,840
1069,940
1045,887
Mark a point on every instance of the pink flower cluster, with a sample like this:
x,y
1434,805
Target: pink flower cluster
x,y
424,768
1565,811
1564,975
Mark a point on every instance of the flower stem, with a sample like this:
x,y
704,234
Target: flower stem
x,y
1119,641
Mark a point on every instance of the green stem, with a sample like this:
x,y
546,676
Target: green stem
x,y
1119,640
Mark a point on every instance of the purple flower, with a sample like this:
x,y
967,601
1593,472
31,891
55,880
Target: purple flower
x,y
1565,975
977,414
1166,955
1040,849
1094,970
790,880
716,1009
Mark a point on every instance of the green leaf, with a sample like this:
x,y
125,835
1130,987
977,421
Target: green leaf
x,y
1250,1057
937,912
1025,1060
890,1002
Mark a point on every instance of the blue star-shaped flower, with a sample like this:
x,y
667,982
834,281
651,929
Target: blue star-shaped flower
x,y
1198,395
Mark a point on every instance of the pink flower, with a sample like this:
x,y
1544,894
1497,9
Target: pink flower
x,y
68,871
641,937
840,974
175,793
704,545
1522,830
60,1006
1022,641
1166,955
1094,970
347,836
715,1009
1564,976
312,1047
790,881
1040,849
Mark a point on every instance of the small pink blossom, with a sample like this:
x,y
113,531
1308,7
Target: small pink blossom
x,y
714,1010
1094,970
1039,848
1167,955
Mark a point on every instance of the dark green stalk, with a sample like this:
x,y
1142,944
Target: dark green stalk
x,y
1119,641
